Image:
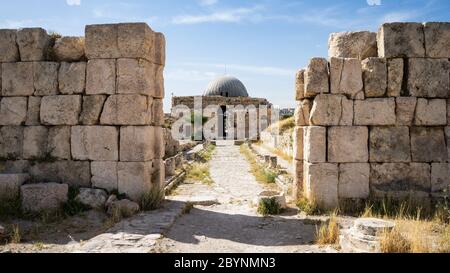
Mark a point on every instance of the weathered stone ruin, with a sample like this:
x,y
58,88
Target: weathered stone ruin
x,y
81,112
376,124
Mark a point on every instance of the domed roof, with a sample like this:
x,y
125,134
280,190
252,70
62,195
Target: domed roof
x,y
226,86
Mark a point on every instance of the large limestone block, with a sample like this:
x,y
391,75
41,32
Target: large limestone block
x,y
17,79
302,112
33,112
11,142
45,78
135,40
331,110
431,112
135,76
35,142
138,143
299,133
300,85
375,112
134,178
72,78
321,184
13,110
448,112
69,49
43,197
10,185
346,77
96,143
395,70
9,52
375,77
390,144
58,145
400,180
101,77
92,108
60,110
15,166
159,81
104,175
440,179
157,114
428,77
159,174
401,40
126,110
33,44
159,49
74,173
437,39
348,144
102,41
360,45
428,144
354,180
315,144
406,109
297,189
316,77
447,135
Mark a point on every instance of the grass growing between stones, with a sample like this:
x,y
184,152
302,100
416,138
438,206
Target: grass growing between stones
x,y
199,172
261,174
269,206
152,200
328,233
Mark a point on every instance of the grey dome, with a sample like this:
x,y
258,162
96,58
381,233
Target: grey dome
x,y
226,87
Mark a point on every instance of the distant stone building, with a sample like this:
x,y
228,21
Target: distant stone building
x,y
227,92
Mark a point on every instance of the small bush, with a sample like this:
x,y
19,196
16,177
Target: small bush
x,y
308,207
269,206
152,200
328,234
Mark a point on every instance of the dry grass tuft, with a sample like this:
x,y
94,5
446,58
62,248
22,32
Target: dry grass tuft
x,y
394,242
199,172
328,234
258,170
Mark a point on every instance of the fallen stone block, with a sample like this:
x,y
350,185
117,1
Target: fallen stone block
x,y
35,142
96,143
437,39
348,144
13,110
104,175
135,76
300,85
69,49
45,78
375,112
375,77
10,185
315,144
321,184
60,110
11,142
329,110
17,79
316,77
428,144
400,180
346,77
93,198
33,111
354,180
33,44
390,144
431,112
395,70
43,197
440,179
72,78
401,40
92,108
359,45
101,77
9,52
406,109
127,110
58,146
428,78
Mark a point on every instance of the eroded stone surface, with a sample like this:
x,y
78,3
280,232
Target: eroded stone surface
x,y
321,184
92,108
135,40
406,109
60,110
13,110
126,110
315,144
93,198
58,145
437,39
11,142
390,144
316,77
348,144
33,44
300,85
9,52
331,110
428,144
375,77
354,180
43,197
10,185
440,179
429,78
139,143
299,133
69,49
101,77
72,78
135,76
360,45
134,178
96,143
346,77
401,40
302,113
395,77
431,112
375,112
35,142
101,41
74,173
45,78
17,79
33,112
104,175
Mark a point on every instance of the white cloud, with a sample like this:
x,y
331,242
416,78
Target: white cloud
x,y
374,2
226,16
399,16
207,2
73,2
250,69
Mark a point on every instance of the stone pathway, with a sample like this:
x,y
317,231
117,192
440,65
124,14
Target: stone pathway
x,y
232,225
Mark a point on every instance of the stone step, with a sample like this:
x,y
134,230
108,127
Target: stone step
x,y
373,226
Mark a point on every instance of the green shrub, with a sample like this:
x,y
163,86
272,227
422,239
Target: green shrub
x,y
269,206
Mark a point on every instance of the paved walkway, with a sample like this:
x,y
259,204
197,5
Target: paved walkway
x,y
232,225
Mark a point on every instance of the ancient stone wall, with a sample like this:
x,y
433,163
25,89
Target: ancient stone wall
x,y
379,126
84,112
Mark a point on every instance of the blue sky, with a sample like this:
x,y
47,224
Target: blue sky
x,y
262,42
